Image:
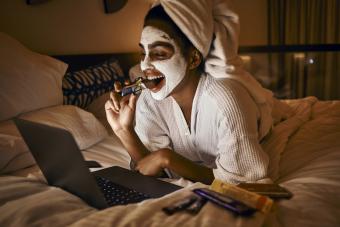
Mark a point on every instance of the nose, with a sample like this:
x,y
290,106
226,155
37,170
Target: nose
x,y
146,64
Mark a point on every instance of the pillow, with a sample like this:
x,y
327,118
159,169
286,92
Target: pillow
x,y
14,153
97,108
28,80
85,128
81,87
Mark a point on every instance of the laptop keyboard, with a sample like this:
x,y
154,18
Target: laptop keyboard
x,y
117,194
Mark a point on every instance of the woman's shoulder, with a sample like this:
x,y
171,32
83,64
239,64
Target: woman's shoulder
x,y
224,89
229,97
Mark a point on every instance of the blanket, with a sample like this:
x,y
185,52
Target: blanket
x,y
306,151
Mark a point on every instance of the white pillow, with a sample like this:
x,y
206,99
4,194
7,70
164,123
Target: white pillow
x,y
14,154
85,128
97,108
28,80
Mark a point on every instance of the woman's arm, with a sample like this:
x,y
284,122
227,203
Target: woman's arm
x,y
166,158
120,113
240,157
133,145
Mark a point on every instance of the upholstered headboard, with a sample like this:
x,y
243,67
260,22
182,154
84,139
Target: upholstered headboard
x,y
76,62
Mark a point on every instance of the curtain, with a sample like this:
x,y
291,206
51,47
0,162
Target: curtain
x,y
305,22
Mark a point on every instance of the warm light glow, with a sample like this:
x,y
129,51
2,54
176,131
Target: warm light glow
x,y
299,56
245,58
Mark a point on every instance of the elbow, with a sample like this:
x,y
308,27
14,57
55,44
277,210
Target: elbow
x,y
258,175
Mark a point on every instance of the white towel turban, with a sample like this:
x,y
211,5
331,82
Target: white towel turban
x,y
213,28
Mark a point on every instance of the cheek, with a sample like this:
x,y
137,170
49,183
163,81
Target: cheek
x,y
176,64
166,67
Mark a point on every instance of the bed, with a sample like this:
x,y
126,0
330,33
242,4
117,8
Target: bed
x,y
304,150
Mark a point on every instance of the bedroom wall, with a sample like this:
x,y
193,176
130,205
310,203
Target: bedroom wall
x,y
253,21
81,26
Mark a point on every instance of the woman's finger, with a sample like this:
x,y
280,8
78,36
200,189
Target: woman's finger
x,y
132,101
127,82
124,101
109,106
137,168
117,86
114,97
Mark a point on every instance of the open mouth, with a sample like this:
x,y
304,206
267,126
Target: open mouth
x,y
153,82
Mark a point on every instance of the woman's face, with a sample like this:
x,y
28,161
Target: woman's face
x,y
162,62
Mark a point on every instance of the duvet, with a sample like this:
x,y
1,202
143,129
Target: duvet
x,y
305,158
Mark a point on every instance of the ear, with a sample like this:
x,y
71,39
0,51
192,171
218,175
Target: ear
x,y
195,59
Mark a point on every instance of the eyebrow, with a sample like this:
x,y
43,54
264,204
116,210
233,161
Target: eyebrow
x,y
158,43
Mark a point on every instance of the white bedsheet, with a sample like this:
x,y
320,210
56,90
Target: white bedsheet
x,y
308,164
310,168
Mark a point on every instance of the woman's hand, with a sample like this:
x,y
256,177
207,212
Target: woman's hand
x,y
120,111
154,163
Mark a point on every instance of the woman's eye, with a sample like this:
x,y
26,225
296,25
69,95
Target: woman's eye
x,y
159,55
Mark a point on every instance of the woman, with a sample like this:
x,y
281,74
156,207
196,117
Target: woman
x,y
187,121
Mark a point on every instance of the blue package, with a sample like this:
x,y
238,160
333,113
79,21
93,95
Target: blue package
x,y
225,201
134,88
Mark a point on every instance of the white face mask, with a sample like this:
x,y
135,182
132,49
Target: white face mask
x,y
173,69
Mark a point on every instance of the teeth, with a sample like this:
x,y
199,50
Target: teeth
x,y
155,77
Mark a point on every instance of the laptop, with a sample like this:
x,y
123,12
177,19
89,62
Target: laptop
x,y
61,162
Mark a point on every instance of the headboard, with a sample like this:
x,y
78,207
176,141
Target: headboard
x,y
80,91
81,61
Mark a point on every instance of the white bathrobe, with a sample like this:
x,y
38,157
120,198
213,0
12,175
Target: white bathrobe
x,y
222,135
